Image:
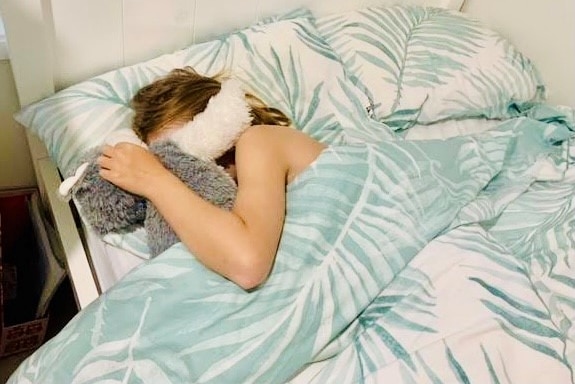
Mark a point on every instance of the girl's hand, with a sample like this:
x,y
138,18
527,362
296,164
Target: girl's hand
x,y
131,167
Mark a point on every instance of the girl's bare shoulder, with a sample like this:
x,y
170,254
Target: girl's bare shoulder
x,y
280,137
288,146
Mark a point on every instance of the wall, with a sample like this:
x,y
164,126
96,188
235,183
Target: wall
x,y
15,164
534,30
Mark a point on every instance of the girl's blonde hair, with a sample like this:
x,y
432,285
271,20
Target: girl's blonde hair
x,y
182,94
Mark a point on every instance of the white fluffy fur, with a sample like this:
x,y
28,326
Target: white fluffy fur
x,y
211,133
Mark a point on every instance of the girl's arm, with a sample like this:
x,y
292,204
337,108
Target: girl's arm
x,y
240,244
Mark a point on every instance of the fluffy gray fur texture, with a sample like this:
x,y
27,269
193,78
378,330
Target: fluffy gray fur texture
x,y
106,207
109,209
206,178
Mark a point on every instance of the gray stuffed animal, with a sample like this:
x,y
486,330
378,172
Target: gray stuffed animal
x,y
209,135
109,209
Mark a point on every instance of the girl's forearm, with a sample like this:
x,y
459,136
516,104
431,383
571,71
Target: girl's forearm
x,y
218,238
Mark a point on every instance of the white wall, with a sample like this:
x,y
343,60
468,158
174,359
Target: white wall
x,y
15,164
534,30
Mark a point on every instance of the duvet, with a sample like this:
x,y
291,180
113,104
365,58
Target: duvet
x,y
400,262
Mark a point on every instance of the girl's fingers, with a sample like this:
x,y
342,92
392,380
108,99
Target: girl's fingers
x,y
104,162
104,173
107,150
105,158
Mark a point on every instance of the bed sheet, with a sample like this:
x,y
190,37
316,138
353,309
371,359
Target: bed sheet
x,y
391,266
110,263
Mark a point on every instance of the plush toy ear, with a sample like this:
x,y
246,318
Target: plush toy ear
x,y
106,207
206,178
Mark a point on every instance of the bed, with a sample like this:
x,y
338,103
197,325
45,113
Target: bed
x,y
432,242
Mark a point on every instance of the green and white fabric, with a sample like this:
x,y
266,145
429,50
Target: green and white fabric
x,y
464,311
421,65
373,281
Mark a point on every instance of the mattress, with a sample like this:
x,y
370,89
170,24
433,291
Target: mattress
x,y
110,263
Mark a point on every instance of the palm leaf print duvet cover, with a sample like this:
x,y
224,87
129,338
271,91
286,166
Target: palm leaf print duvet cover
x,y
398,263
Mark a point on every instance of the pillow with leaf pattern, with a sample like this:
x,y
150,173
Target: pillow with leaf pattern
x,y
422,65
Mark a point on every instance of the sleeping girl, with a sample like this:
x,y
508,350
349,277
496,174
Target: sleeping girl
x,y
215,120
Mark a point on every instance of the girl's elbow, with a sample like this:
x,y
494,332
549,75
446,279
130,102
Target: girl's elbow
x,y
251,274
250,280
248,283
